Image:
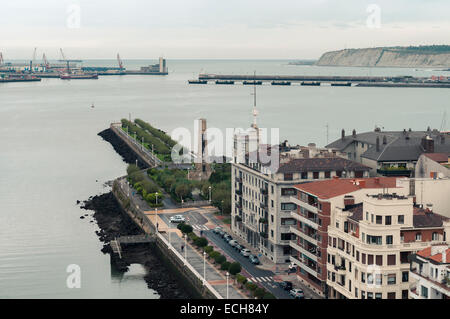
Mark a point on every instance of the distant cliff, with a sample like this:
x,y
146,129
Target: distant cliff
x,y
420,56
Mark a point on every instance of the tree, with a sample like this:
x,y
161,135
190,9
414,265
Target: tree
x,y
182,190
201,242
186,229
220,259
225,265
259,293
132,169
235,268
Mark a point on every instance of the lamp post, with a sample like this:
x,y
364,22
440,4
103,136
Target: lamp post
x,y
185,249
222,206
142,143
204,268
227,283
209,187
156,194
156,221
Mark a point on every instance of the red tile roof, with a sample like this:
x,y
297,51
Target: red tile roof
x,y
426,253
438,157
339,186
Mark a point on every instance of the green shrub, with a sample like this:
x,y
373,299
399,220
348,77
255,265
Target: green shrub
x,y
201,242
225,265
235,268
187,229
192,236
180,225
259,292
241,279
214,254
220,259
208,249
251,286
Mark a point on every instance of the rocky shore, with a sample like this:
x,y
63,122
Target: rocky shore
x,y
121,147
113,222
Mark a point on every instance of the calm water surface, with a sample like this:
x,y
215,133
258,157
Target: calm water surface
x,y
51,156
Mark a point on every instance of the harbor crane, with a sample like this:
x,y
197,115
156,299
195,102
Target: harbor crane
x,y
1,58
64,59
46,64
120,62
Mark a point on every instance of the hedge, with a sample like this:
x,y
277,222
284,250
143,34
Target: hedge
x,y
220,259
200,241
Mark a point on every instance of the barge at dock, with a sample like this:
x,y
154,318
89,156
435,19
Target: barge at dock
x,y
224,82
281,83
252,82
21,78
311,83
197,82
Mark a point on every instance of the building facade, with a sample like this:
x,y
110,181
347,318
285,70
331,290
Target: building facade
x,y
430,273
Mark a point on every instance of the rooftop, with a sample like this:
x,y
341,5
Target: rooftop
x,y
340,186
436,254
438,157
395,145
321,164
426,218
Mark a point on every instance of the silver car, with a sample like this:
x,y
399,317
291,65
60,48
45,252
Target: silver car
x,y
245,252
177,219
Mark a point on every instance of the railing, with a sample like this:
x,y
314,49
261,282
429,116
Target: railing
x,y
189,266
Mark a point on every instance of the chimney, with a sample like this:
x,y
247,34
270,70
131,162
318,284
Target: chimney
x,y
343,134
384,140
404,131
378,144
442,139
428,144
354,133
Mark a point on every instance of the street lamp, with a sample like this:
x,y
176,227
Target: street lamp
x,y
227,283
185,249
222,207
204,268
142,143
156,210
209,187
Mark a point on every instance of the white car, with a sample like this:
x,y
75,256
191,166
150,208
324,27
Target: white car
x,y
232,243
245,252
177,219
297,293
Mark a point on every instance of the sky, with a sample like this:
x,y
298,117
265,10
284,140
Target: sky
x,y
227,29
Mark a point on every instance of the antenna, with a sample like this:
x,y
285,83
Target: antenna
x,y
255,111
443,123
327,126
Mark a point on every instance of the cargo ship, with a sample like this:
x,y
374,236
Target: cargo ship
x,y
224,82
341,84
197,82
78,76
252,82
311,83
281,83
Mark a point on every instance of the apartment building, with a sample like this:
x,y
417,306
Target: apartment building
x,y
261,199
317,203
430,273
391,153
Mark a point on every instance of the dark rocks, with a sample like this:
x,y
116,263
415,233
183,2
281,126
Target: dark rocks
x,y
113,222
121,147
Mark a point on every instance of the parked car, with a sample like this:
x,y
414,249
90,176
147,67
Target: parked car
x,y
227,238
232,243
297,293
224,234
292,268
286,285
217,229
220,232
177,219
254,260
245,252
239,247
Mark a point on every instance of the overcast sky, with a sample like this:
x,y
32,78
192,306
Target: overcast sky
x,y
292,29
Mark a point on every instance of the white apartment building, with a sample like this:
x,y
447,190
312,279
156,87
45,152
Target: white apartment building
x,y
430,273
262,209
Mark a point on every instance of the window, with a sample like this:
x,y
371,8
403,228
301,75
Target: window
x,y
370,259
288,176
424,292
356,292
327,174
370,279
363,258
391,260
369,295
389,240
271,218
271,233
371,217
357,255
288,206
405,276
304,175
401,219
315,175
418,236
271,202
379,260
391,280
288,191
378,295
367,215
363,277
378,279
435,236
363,294
379,219
405,294
391,295
388,220
374,240
286,236
271,188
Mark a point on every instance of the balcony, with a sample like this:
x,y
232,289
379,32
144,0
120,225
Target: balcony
x,y
264,235
263,205
238,192
305,220
303,266
341,270
394,172
264,191
238,179
311,208
299,248
303,235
